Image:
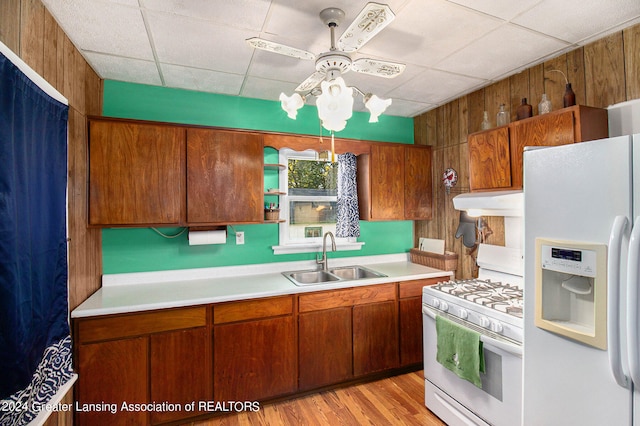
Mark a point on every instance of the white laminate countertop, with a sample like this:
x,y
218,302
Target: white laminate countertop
x,y
143,291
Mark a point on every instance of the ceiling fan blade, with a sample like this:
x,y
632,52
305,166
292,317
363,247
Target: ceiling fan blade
x,y
274,47
378,68
311,82
373,18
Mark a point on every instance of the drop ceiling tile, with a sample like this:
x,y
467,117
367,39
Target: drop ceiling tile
x,y
575,20
404,108
504,9
433,87
196,43
201,80
500,52
247,14
429,30
124,69
110,28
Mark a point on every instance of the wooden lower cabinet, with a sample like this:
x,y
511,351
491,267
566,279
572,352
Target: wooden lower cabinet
x,y
325,347
254,360
375,337
251,350
410,319
111,373
255,354
160,356
179,372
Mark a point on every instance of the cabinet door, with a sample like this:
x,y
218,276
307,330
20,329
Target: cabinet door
x,y
546,130
417,183
489,159
112,373
375,337
325,347
136,174
410,330
381,183
180,371
255,360
224,177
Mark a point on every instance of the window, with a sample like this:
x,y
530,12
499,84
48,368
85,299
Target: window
x,y
310,205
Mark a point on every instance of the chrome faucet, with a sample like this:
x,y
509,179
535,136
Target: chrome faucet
x,y
324,261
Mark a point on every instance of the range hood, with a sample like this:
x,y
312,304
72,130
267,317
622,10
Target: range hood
x,y
497,203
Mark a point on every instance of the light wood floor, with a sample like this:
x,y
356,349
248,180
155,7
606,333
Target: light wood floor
x,y
396,400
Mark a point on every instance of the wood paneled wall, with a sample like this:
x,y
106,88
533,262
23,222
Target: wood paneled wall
x,y
602,73
28,29
31,32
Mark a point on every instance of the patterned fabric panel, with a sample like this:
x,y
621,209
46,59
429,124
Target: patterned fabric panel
x,y
348,217
54,370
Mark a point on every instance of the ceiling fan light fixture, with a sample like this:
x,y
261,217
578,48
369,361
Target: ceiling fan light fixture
x,y
376,106
291,104
335,104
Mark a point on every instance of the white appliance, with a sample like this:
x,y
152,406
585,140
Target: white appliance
x,y
582,260
492,306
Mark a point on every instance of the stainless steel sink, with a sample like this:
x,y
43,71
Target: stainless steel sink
x,y
310,277
345,273
355,273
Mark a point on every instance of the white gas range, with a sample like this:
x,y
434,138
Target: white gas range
x,y
492,306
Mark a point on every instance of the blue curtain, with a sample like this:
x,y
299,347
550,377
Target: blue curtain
x,y
347,216
35,355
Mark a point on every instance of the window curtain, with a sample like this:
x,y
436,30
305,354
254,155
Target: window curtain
x,y
347,216
35,354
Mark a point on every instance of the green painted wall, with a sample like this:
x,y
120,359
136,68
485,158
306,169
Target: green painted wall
x,y
138,250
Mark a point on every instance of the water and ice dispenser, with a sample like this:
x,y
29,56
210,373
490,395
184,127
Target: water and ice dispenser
x,y
571,290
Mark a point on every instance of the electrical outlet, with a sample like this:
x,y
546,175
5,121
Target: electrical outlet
x,y
239,238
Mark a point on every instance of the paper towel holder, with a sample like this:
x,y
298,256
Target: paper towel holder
x,y
204,236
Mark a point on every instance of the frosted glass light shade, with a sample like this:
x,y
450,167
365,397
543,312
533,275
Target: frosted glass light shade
x,y
376,106
291,104
335,104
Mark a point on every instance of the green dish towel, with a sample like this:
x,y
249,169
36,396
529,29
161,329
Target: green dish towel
x,y
460,350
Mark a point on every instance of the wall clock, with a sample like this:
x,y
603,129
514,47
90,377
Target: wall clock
x,y
449,178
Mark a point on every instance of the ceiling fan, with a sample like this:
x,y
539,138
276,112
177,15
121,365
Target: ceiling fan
x,y
330,65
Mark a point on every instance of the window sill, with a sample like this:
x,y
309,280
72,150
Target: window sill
x,y
314,248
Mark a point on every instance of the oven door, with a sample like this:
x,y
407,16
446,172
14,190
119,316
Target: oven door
x,y
459,402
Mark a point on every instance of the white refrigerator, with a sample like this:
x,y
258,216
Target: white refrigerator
x,y
581,248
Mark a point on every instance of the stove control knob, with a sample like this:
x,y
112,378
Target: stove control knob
x,y
436,303
444,306
496,327
464,314
484,322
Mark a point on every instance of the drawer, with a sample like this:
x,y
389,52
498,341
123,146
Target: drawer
x,y
252,309
414,288
129,325
346,297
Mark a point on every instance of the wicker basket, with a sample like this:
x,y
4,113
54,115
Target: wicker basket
x,y
272,214
446,262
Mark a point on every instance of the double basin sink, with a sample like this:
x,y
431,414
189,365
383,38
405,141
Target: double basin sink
x,y
343,273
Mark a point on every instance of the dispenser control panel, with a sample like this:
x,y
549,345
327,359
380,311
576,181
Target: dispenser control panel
x,y
568,260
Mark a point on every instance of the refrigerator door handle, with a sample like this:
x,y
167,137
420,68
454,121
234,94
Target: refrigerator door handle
x,y
633,280
613,300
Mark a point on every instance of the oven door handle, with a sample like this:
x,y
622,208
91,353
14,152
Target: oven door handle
x,y
505,346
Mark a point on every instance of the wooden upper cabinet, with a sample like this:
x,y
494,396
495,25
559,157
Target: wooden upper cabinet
x,y
136,173
417,182
381,184
225,175
495,156
489,159
394,182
